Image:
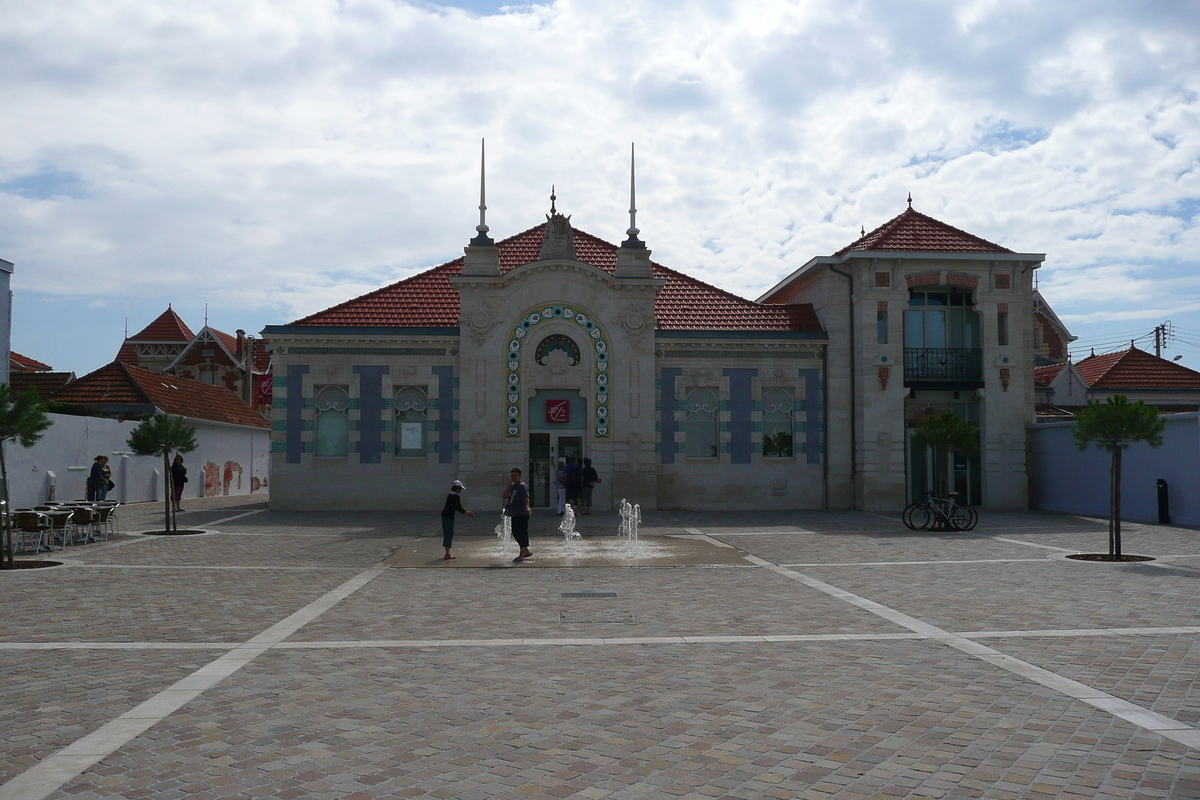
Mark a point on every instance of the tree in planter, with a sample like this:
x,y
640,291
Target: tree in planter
x,y
160,434
947,434
23,419
1114,425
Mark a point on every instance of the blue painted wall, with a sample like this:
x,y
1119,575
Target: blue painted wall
x,y
741,406
370,410
813,425
295,412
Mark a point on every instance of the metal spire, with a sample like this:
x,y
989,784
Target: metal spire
x,y
553,210
633,231
910,199
481,230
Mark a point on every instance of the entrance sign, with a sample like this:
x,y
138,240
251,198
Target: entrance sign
x,y
558,411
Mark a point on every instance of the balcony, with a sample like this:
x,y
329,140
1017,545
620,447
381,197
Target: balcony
x,y
943,365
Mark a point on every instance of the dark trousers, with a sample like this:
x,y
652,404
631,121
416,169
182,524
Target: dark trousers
x,y
520,530
447,532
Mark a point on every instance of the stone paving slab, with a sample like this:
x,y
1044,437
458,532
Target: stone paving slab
x,y
856,547
1041,595
52,698
776,721
463,604
79,604
1156,672
335,549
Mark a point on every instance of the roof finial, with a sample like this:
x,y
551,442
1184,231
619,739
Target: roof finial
x,y
862,230
481,229
1093,351
553,210
910,199
633,231
206,315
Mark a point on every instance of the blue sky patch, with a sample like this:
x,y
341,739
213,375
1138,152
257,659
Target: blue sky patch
x,y
46,185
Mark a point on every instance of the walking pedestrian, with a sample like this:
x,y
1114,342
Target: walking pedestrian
x,y
516,506
453,506
589,479
178,479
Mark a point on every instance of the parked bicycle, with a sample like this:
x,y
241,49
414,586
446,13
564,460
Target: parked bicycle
x,y
935,513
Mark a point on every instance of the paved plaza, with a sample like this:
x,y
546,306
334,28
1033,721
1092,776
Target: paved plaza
x,y
746,655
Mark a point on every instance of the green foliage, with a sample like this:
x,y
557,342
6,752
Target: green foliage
x,y
777,445
949,433
1116,423
22,416
162,434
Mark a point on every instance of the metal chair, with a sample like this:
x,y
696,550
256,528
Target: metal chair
x,y
60,523
85,523
30,526
106,520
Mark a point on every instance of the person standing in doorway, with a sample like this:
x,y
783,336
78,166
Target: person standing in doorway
x,y
589,479
560,486
574,482
516,506
178,479
453,506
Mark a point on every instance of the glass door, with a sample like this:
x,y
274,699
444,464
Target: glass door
x,y
539,470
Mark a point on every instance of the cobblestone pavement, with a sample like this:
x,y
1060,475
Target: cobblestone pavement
x,y
275,656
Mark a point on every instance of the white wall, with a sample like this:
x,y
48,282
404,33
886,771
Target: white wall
x,y
1065,479
63,458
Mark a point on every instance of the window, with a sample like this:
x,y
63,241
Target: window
x,y
1002,327
412,406
881,323
701,427
941,319
777,427
331,422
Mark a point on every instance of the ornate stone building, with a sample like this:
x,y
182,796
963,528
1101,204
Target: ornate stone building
x,y
554,342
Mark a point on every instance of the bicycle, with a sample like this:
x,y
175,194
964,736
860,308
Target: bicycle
x,y
945,512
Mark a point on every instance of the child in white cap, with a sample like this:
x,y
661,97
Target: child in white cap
x,y
453,506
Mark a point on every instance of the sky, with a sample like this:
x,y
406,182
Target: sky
x,y
269,159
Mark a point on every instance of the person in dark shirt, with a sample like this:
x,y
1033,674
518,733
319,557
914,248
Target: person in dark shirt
x,y
453,506
178,479
590,479
516,505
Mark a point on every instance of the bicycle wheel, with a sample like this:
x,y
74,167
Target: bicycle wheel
x,y
906,515
922,517
974,518
960,518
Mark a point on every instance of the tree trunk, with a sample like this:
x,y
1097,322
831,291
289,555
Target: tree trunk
x,y
1116,500
7,560
1112,498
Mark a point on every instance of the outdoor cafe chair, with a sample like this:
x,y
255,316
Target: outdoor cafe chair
x,y
85,523
106,520
60,522
31,527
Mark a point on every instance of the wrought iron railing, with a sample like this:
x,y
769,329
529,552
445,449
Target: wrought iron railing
x,y
943,364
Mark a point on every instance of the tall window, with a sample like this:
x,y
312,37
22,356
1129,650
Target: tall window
x,y
331,423
941,319
881,323
777,427
1002,328
412,407
702,426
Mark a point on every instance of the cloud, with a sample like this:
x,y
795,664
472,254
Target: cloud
x,y
276,159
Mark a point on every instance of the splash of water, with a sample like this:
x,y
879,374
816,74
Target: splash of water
x,y
631,519
504,534
567,526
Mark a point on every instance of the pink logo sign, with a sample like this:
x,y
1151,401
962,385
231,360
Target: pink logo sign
x,y
558,411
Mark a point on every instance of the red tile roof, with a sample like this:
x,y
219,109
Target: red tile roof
x,y
20,363
46,383
684,303
127,354
1045,375
125,385
1135,369
913,230
167,328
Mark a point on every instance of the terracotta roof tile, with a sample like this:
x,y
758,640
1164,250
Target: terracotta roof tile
x,y
20,363
122,384
1136,369
127,354
1044,376
46,383
684,303
167,328
913,230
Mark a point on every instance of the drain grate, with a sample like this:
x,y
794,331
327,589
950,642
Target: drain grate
x,y
586,595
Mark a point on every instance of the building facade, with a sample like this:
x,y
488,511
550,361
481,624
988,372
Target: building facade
x,y
554,343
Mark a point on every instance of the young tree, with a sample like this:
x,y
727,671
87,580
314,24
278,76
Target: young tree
x,y
947,434
160,434
1114,425
23,419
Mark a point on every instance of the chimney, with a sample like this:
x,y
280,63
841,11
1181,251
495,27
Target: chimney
x,y
241,345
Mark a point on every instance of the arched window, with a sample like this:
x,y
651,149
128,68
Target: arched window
x,y
331,422
412,407
557,341
777,424
701,428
